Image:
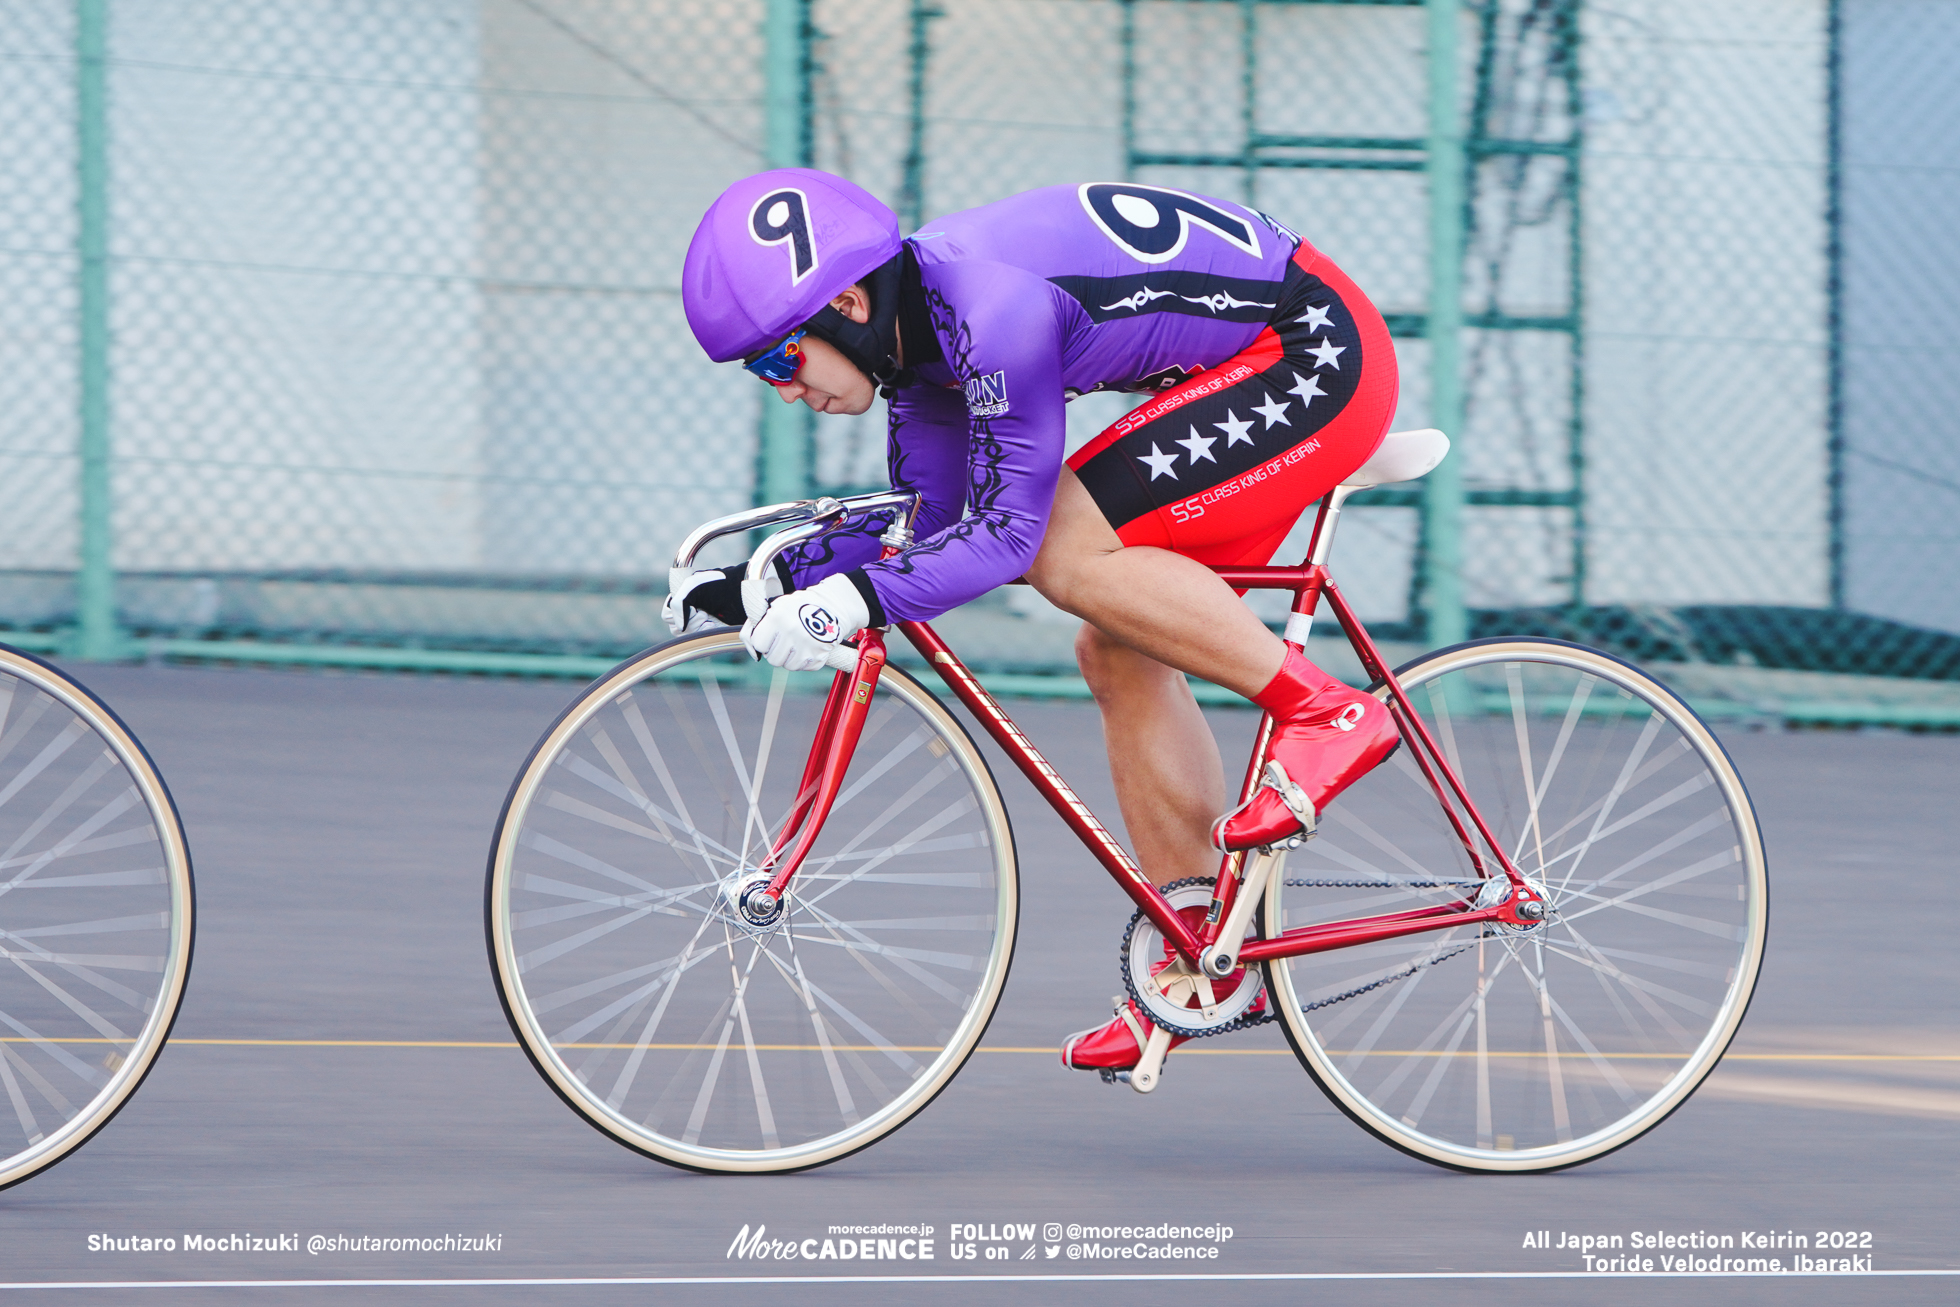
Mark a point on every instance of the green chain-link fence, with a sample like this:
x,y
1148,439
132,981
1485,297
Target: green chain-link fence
x,y
351,333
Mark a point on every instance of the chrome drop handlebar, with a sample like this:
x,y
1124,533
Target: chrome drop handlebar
x,y
811,518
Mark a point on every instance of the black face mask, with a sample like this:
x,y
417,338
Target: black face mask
x,y
872,346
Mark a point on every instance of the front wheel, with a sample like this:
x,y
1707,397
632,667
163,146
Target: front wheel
x,y
653,1005
1492,1048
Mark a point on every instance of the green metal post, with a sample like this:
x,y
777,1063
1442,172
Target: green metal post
x,y
95,583
1249,98
912,192
1576,280
1442,500
1129,90
783,453
1834,288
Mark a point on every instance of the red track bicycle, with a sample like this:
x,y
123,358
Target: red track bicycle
x,y
743,919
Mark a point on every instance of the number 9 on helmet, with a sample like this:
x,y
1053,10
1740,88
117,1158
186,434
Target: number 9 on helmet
x,y
773,250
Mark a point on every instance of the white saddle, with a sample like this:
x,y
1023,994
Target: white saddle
x,y
1403,456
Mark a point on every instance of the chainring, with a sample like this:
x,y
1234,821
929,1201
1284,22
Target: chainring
x,y
1143,944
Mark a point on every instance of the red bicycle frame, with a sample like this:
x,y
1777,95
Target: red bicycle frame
x,y
850,695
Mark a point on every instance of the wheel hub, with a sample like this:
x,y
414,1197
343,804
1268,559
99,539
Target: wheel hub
x,y
1533,913
744,901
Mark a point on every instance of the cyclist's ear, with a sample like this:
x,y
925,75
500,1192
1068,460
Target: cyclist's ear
x,y
854,302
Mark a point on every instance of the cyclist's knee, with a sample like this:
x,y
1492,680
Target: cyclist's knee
x,y
1111,667
1093,651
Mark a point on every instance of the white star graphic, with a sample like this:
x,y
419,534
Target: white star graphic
x,y
1273,410
1316,319
1328,353
1200,446
1307,388
1235,428
1160,462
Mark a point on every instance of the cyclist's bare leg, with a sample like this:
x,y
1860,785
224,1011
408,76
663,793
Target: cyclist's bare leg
x,y
1170,782
1152,615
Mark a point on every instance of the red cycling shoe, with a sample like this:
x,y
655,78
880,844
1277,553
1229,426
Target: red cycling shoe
x,y
1326,736
1117,1046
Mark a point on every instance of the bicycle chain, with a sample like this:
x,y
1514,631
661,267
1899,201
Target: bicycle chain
x,y
1270,1014
1382,884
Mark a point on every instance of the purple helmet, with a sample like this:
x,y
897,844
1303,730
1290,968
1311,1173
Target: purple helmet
x,y
773,250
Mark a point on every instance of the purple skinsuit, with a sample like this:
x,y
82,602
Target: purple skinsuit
x,y
1035,299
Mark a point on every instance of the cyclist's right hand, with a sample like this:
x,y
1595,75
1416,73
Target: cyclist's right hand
x,y
710,597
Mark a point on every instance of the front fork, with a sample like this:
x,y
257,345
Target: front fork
x,y
823,773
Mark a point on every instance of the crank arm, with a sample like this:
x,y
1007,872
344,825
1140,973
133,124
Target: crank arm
x,y
1222,958
1149,1069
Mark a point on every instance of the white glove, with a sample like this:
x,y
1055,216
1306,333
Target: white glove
x,y
801,630
682,618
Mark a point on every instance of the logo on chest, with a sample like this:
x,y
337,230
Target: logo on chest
x,y
986,397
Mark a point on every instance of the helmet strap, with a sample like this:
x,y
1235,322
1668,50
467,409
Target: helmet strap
x,y
872,346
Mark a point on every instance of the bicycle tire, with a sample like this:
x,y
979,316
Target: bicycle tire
x,y
1613,795
97,915
609,925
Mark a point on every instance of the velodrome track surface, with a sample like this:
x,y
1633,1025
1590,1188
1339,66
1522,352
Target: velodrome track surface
x,y
341,1066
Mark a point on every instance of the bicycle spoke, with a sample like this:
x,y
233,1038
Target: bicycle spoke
x,y
846,1106
100,1024
1574,713
636,723
1616,982
592,812
107,813
1514,684
1554,1070
1687,834
59,745
862,950
1675,752
753,827
1714,862
30,1128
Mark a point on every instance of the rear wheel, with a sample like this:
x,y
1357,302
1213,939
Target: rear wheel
x,y
96,908
646,998
1492,1048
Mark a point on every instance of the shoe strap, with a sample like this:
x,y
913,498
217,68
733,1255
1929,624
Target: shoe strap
x,y
1296,799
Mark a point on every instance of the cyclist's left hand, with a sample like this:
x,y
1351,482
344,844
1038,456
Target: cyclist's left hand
x,y
697,601
801,629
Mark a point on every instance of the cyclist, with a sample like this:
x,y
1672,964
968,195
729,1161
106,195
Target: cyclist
x,y
1271,378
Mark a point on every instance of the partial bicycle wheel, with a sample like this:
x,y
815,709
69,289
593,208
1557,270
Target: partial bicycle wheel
x,y
653,1007
96,915
1528,1049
